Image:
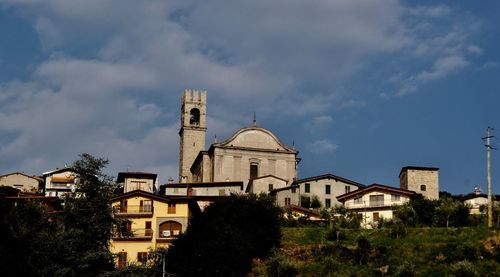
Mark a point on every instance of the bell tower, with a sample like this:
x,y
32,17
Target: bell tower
x,y
192,132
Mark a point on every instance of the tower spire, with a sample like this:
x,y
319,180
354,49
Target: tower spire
x,y
254,120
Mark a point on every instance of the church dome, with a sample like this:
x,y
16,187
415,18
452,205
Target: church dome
x,y
255,137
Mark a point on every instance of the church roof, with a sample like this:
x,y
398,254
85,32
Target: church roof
x,y
254,137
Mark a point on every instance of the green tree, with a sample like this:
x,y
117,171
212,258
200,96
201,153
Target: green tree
x,y
225,238
88,218
425,211
406,214
446,208
315,203
305,202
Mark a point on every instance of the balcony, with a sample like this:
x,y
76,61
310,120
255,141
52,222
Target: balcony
x,y
133,211
134,234
376,203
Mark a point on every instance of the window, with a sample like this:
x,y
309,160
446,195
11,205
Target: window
x,y
293,190
327,189
176,190
142,257
127,225
358,200
307,188
148,232
347,189
270,187
375,217
254,171
395,197
376,200
222,192
171,208
328,203
123,206
170,229
146,206
194,117
122,259
423,187
287,201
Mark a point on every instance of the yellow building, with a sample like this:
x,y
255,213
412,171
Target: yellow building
x,y
153,220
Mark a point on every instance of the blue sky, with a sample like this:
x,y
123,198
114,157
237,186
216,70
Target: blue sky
x,y
362,88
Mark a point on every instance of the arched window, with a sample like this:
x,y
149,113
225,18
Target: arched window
x,y
170,229
194,117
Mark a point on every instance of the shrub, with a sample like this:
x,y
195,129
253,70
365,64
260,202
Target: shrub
x,y
335,234
279,265
463,269
406,269
397,229
363,249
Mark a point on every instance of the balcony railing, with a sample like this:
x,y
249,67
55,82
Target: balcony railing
x,y
376,203
133,209
134,234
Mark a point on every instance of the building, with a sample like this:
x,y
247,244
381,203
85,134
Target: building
x,y
151,221
374,202
203,193
21,181
59,182
423,180
287,196
266,184
327,187
475,201
130,181
249,154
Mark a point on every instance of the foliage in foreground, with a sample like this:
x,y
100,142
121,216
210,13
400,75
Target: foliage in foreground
x,y
71,243
225,238
464,251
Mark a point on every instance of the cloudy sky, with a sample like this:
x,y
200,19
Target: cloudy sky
x,y
361,88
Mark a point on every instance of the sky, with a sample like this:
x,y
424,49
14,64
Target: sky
x,y
360,88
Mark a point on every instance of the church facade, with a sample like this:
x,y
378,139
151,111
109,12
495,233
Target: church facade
x,y
249,155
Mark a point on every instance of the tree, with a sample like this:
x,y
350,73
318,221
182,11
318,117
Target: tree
x,y
406,214
305,202
73,242
225,238
425,211
315,203
88,218
446,208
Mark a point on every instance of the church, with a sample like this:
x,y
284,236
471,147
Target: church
x,y
252,155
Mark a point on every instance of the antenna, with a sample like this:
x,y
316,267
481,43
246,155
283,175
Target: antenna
x,y
488,160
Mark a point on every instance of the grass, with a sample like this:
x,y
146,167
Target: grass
x,y
422,252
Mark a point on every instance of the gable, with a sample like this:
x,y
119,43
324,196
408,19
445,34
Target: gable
x,y
255,137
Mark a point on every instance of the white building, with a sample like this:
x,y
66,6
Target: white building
x,y
327,187
374,202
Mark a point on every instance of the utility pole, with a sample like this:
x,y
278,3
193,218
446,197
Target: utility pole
x,y
488,150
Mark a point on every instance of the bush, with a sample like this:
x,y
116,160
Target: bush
x,y
363,249
397,229
406,269
335,234
463,269
279,265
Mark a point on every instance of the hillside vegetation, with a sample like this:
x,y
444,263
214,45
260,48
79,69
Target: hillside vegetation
x,y
319,251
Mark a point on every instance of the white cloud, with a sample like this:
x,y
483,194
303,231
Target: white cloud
x,y
475,49
443,67
115,70
322,146
430,11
